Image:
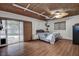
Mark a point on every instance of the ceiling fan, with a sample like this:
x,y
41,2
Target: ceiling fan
x,y
59,13
53,14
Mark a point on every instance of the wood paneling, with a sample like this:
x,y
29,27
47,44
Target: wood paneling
x,y
44,8
10,8
40,48
27,31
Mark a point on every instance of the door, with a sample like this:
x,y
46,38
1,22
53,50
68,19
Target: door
x,y
27,31
13,29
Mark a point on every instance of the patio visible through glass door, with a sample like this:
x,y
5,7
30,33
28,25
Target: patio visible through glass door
x,y
13,31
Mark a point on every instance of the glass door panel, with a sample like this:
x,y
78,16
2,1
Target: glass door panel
x,y
13,31
21,31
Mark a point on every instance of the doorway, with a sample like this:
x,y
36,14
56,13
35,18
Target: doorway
x,y
27,31
12,31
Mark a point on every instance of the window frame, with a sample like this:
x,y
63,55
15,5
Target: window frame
x,y
60,25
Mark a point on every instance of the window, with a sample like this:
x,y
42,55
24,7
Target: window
x,y
12,30
60,25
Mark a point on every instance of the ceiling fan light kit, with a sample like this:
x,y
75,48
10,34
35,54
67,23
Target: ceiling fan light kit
x,y
60,15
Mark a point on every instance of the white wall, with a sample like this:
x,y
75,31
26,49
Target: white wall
x,y
70,21
36,24
39,24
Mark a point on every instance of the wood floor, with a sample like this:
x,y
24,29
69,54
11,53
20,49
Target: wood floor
x,y
40,48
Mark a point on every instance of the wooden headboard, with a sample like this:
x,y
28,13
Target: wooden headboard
x,y
40,31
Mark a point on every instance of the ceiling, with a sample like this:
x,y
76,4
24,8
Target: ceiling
x,y
41,8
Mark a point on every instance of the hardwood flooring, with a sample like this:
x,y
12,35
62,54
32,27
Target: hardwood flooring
x,y
40,48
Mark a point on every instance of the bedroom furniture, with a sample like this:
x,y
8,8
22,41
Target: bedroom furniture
x,y
76,34
40,31
48,37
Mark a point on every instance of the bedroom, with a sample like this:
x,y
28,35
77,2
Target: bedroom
x,y
42,25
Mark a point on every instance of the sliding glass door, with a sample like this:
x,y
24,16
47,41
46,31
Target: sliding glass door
x,y
12,31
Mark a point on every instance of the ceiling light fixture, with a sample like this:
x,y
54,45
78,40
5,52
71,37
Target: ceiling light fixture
x,y
60,15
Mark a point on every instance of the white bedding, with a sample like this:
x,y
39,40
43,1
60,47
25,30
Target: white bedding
x,y
48,37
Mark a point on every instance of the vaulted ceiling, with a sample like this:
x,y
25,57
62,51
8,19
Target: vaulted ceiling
x,y
41,8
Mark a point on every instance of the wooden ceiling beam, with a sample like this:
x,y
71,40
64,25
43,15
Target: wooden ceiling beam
x,y
30,11
40,11
27,6
10,8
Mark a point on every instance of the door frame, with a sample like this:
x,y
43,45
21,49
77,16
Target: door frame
x,y
24,29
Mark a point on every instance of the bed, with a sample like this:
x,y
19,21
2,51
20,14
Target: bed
x,y
47,36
